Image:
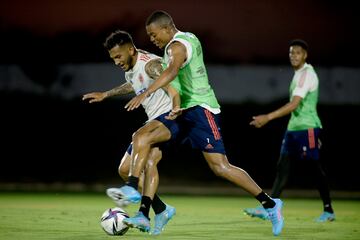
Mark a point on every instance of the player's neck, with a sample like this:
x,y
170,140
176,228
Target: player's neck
x,y
173,31
134,59
300,66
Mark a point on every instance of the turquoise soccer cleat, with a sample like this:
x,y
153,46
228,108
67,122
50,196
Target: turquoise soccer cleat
x,y
326,217
124,196
139,221
275,216
162,219
259,212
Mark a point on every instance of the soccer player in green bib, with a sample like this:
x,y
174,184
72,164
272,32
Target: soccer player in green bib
x,y
199,121
301,140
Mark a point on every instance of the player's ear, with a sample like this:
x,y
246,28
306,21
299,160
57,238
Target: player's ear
x,y
305,54
167,29
132,50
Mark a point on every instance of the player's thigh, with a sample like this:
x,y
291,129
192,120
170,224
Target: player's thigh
x,y
154,132
216,160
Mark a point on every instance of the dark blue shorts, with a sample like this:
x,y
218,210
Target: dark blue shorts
x,y
304,144
200,128
172,125
129,149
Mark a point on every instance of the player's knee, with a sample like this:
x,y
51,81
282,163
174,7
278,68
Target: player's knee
x,y
140,139
150,165
219,170
218,164
155,155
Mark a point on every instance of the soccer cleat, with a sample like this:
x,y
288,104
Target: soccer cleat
x,y
326,216
275,216
259,212
162,219
139,221
124,196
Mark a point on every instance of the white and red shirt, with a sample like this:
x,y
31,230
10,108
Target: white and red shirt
x,y
159,101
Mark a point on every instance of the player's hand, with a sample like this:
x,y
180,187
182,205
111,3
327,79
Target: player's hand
x,y
260,120
94,97
174,113
136,101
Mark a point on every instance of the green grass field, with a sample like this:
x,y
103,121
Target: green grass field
x,y
36,216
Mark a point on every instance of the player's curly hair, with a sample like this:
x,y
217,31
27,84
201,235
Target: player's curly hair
x,y
118,37
299,42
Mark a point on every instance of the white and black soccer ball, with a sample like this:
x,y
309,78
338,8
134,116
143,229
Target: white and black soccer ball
x,y
111,221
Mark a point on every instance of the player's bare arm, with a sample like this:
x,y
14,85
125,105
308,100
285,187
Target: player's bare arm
x,y
123,89
154,68
261,120
176,107
177,56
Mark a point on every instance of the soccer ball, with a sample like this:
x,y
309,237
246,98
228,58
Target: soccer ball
x,y
111,221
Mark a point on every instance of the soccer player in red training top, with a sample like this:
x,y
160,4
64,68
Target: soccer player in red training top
x,y
301,140
141,68
186,71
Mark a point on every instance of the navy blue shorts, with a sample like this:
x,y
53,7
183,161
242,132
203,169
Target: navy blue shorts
x,y
304,144
200,128
172,125
129,149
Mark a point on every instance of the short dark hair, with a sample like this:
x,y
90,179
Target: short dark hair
x,y
299,42
118,37
161,17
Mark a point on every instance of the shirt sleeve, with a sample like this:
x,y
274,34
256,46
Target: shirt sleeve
x,y
306,83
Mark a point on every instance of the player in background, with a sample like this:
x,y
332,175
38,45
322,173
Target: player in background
x,y
301,140
141,68
186,71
